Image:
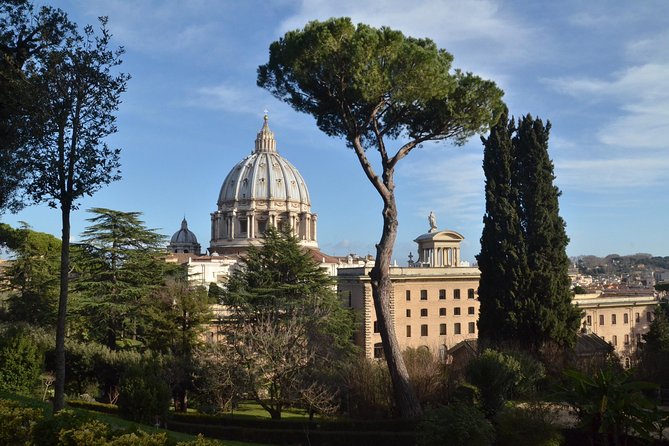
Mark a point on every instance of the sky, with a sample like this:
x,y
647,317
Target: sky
x,y
597,70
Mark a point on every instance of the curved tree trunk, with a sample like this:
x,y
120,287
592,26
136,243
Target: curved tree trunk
x,y
405,397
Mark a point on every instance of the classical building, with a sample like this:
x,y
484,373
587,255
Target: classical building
x,y
262,190
434,302
620,318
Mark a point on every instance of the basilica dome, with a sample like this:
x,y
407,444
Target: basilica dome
x,y
263,189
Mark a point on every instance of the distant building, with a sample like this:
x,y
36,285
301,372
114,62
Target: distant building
x,y
434,302
620,318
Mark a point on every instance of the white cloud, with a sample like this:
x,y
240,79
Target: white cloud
x,y
642,95
612,175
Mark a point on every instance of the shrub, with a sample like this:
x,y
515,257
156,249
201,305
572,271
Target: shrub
x,y
21,362
495,374
91,433
455,425
47,431
526,427
16,423
139,438
368,391
199,441
144,394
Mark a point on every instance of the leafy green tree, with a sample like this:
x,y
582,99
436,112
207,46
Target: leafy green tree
x,y
63,156
122,265
457,425
495,375
285,321
177,314
525,288
32,276
370,86
21,361
27,36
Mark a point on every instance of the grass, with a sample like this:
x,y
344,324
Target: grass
x,y
254,410
115,421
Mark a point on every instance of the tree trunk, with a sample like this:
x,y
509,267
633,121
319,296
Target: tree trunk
x,y
59,395
405,397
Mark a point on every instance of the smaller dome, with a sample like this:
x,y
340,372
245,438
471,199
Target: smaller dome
x,y
184,241
184,235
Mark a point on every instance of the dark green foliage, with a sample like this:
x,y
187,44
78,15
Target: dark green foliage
x,y
455,425
503,258
144,393
32,277
121,267
528,426
286,322
655,349
16,423
495,375
610,404
21,361
525,288
47,431
532,375
372,86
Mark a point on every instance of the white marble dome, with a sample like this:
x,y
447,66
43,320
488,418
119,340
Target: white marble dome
x,y
261,190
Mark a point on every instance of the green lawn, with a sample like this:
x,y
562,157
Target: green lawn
x,y
116,421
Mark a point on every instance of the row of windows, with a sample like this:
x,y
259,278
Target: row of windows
x,y
471,294
614,339
614,318
442,311
457,329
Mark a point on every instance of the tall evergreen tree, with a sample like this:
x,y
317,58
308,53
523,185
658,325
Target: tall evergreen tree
x,y
525,289
121,265
502,260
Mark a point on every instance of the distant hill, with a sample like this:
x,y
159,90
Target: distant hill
x,y
616,264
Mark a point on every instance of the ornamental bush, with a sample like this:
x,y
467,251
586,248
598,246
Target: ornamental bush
x,y
21,362
455,425
16,423
144,393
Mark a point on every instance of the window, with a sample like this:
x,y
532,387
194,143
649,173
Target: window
x,y
456,294
408,312
423,330
628,362
588,320
456,311
442,294
613,319
614,340
470,293
627,339
408,331
637,318
376,326
601,319
638,338
378,350
470,310
408,294
423,294
423,312
243,225
456,328
472,327
442,312
649,316
626,318
442,329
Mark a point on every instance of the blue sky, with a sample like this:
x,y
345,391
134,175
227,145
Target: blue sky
x,y
598,70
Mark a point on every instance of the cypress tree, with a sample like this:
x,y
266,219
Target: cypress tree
x,y
524,288
550,316
502,260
